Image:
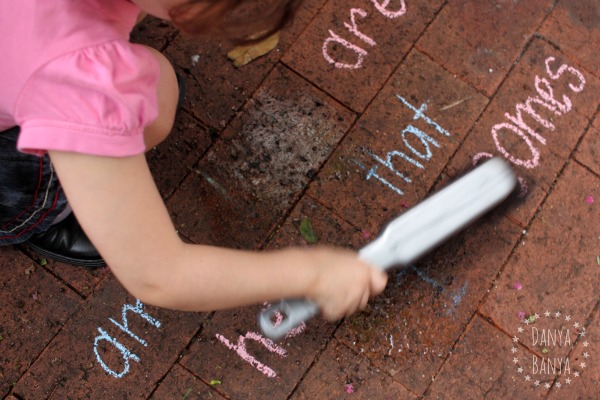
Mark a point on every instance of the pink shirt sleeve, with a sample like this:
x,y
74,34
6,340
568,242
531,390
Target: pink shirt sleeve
x,y
94,101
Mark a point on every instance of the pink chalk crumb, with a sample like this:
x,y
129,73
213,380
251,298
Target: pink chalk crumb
x,y
589,199
518,286
349,388
404,204
521,315
366,235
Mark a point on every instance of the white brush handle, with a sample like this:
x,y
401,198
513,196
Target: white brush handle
x,y
412,234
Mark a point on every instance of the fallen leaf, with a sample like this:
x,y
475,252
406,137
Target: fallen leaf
x,y
43,262
307,231
215,382
242,55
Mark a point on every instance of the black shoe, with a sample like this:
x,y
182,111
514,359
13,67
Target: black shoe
x,y
66,242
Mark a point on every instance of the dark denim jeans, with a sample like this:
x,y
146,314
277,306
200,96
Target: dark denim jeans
x,y
30,195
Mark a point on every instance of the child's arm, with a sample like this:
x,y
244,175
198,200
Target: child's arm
x,y
119,207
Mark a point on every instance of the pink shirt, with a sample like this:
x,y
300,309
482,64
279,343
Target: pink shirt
x,y
70,78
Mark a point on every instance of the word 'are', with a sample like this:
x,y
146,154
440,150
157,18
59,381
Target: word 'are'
x,y
360,53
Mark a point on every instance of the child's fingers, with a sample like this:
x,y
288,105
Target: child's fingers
x,y
378,281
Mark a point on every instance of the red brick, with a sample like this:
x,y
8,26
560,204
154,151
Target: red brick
x,y
344,184
554,268
69,367
391,37
411,328
82,280
480,40
539,174
341,374
575,27
172,159
481,366
180,384
216,90
272,376
588,152
584,386
250,177
329,229
34,308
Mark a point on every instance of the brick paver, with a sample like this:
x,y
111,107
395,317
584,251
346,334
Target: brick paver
x,y
360,112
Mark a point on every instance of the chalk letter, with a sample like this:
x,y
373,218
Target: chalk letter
x,y
528,108
531,163
381,6
336,39
534,335
240,349
138,310
423,137
373,173
419,113
561,70
548,95
354,29
125,353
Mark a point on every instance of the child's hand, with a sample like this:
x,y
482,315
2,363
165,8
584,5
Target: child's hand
x,y
344,283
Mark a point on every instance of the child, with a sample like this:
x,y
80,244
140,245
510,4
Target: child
x,y
92,102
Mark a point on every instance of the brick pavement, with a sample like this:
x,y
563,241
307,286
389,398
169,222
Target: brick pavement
x,y
360,112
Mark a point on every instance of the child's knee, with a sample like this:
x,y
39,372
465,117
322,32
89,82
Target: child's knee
x,y
168,94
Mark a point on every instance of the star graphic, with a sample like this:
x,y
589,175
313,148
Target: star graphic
x,y
514,350
520,370
547,313
547,386
576,325
520,330
527,378
558,384
582,365
586,355
585,344
568,318
557,314
537,316
515,360
576,373
582,333
527,322
568,381
515,339
537,383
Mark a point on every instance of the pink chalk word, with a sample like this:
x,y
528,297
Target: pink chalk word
x,y
383,6
240,347
538,109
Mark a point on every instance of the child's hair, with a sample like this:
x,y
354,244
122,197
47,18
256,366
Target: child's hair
x,y
242,21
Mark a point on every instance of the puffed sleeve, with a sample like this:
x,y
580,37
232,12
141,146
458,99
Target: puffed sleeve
x,y
94,101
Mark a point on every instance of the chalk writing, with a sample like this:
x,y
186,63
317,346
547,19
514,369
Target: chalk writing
x,y
359,53
536,108
240,347
424,152
126,354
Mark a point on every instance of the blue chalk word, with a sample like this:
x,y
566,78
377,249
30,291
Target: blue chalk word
x,y
123,326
